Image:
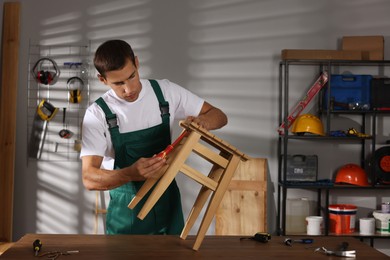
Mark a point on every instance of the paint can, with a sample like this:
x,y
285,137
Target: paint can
x,y
382,222
314,225
367,226
342,218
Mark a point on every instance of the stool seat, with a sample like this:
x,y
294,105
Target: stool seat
x,y
224,159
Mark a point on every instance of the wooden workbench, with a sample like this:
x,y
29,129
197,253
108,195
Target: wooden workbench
x,y
172,247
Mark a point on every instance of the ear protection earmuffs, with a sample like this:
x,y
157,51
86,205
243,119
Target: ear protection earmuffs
x,y
45,77
75,85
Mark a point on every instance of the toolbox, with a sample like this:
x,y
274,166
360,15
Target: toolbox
x,y
302,167
348,92
380,93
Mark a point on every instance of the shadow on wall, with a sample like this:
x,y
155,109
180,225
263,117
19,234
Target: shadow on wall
x,y
224,51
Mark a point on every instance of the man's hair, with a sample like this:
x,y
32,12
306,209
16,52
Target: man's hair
x,y
112,55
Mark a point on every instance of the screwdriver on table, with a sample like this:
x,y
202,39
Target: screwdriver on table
x,y
37,245
289,241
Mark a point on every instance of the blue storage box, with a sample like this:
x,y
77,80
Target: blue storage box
x,y
349,92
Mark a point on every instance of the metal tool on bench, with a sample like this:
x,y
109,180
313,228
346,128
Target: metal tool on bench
x,y
262,237
289,241
44,113
345,253
342,251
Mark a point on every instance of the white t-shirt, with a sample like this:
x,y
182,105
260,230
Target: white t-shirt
x,y
138,115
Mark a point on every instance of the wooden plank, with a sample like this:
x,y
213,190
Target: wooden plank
x,y
9,86
243,208
199,177
213,140
210,156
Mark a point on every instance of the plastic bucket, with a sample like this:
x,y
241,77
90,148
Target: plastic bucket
x,y
342,218
382,222
314,224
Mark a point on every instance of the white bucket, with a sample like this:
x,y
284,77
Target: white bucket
x,y
314,225
382,222
367,226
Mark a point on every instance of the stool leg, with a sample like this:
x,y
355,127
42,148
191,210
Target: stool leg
x,y
149,183
170,174
201,199
216,200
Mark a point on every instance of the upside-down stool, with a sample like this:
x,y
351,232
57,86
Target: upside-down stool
x,y
224,159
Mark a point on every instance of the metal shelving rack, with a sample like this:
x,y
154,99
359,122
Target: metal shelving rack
x,y
283,139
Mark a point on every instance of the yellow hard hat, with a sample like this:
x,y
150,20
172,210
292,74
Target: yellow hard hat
x,y
308,123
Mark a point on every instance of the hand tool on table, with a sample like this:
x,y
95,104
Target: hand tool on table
x,y
259,237
37,245
346,253
289,241
44,113
342,251
52,255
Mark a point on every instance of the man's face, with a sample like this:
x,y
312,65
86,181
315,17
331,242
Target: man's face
x,y
125,82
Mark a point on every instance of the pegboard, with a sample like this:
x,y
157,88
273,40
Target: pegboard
x,y
59,75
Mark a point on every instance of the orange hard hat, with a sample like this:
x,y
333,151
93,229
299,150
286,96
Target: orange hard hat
x,y
352,174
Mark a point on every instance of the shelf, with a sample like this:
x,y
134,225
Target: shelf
x,y
354,234
337,62
327,138
331,186
366,121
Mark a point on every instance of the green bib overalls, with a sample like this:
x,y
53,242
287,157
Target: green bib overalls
x,y
166,217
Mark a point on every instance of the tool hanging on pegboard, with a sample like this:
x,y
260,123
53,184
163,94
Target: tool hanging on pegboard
x,y
44,113
314,89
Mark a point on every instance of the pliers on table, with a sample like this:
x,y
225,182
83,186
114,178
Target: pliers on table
x,y
343,253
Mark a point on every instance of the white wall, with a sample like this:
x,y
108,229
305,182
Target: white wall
x,y
226,51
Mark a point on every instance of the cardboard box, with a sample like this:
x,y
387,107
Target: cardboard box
x,y
295,54
372,47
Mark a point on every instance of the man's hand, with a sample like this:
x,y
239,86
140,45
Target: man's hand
x,y
95,178
198,121
209,117
147,167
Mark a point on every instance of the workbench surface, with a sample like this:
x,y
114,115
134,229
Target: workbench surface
x,y
173,247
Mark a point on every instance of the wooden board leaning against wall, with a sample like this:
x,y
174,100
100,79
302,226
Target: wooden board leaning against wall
x,y
8,95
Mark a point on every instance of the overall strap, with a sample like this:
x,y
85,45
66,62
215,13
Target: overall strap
x,y
110,117
164,105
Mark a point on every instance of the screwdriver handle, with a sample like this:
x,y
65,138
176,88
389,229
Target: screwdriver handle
x,y
37,245
306,240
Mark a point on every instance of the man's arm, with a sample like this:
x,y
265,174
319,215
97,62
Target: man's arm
x,y
209,117
95,178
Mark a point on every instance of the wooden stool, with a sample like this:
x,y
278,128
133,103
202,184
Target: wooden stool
x,y
224,164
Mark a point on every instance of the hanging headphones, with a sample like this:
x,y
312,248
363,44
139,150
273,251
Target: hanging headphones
x,y
45,77
75,85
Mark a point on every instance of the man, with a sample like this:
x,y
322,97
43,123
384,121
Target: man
x,y
125,128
